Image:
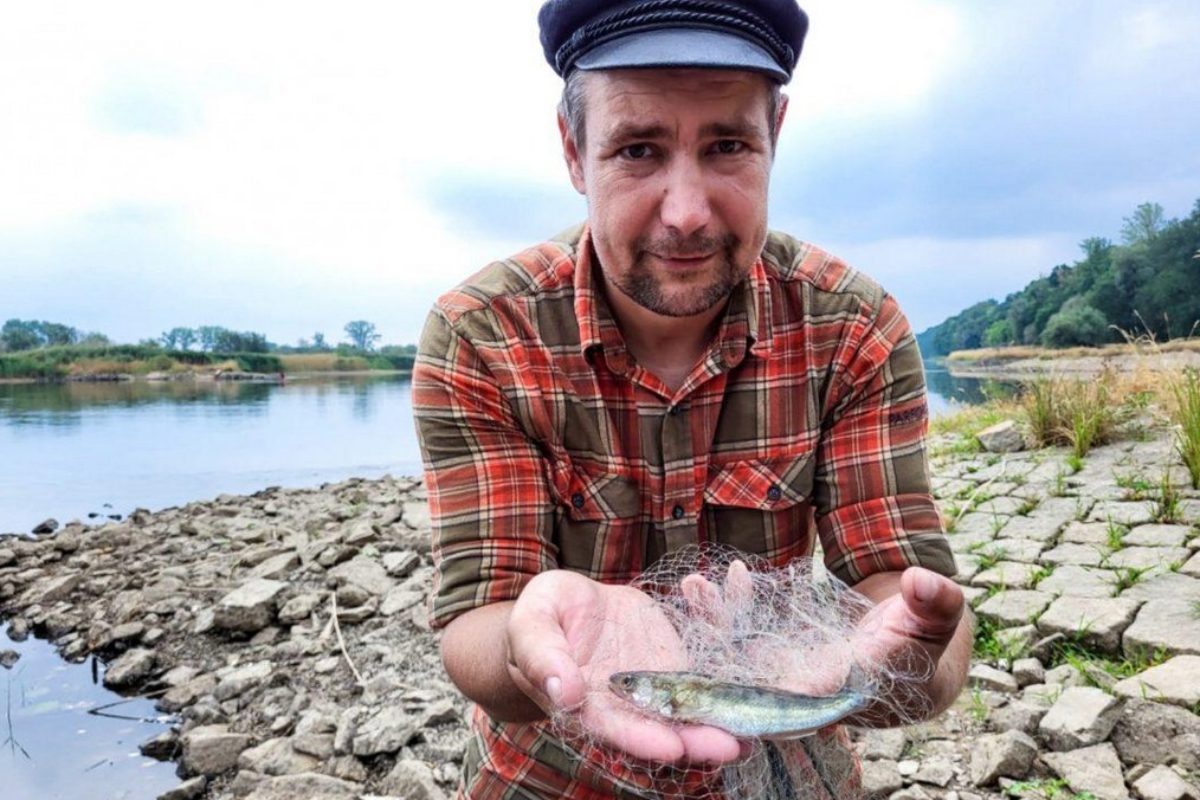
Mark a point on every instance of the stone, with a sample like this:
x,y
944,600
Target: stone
x,y
880,778
276,757
1015,607
7,556
1092,769
413,779
1003,437
1017,716
886,743
55,589
1030,528
241,679
1082,716
1167,624
1148,557
1157,536
280,566
908,767
1065,675
1027,671
1176,681
250,607
1165,586
1097,622
1153,733
400,599
1163,783
1124,513
1001,507
211,749
299,608
1042,695
416,516
130,669
318,745
1191,567
46,526
401,563
385,732
190,789
365,573
162,747
306,785
984,677
9,658
1093,533
1082,555
179,697
1009,755
1072,580
935,771
1008,575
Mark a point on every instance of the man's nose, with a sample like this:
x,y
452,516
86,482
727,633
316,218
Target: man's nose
x,y
685,202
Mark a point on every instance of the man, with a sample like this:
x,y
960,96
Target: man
x,y
668,374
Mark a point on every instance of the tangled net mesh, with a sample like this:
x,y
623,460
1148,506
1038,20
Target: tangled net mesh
x,y
741,620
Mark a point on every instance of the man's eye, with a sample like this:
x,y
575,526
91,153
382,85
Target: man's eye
x,y
636,152
729,147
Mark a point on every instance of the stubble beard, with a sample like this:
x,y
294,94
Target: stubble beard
x,y
643,286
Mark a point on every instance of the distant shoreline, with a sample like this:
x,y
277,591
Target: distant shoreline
x,y
206,377
1020,363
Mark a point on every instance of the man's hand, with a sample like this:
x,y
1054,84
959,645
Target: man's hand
x,y
567,634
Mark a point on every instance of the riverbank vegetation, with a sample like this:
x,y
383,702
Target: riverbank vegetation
x,y
41,350
1148,284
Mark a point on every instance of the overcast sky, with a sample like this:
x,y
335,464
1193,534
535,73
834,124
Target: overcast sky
x,y
287,167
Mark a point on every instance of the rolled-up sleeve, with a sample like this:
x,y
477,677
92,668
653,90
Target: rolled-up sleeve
x,y
486,481
874,510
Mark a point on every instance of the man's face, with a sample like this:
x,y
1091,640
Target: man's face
x,y
675,168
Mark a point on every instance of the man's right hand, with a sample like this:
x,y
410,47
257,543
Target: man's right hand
x,y
567,634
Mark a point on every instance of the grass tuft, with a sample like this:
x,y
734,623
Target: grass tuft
x,y
1186,414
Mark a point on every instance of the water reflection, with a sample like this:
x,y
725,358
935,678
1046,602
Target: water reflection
x,y
946,392
71,448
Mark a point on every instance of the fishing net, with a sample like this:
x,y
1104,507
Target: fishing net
x,y
735,618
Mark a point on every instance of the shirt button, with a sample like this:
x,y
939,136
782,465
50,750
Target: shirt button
x,y
577,500
673,410
774,494
677,512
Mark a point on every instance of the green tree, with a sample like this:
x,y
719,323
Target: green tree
x,y
1077,324
998,334
1143,225
318,341
362,334
208,337
54,333
187,338
18,334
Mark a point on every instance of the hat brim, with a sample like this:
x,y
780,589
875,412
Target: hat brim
x,y
681,47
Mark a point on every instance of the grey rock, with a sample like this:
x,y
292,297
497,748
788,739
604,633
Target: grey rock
x,y
1163,783
1003,437
1191,567
1165,586
886,743
1176,681
1124,513
299,608
416,516
1065,675
1009,754
7,556
1015,607
1089,533
130,668
179,697
53,590
1073,580
385,732
935,771
241,679
279,566
1153,733
308,785
46,526
1092,769
363,572
1167,624
163,747
1157,536
276,757
880,778
8,658
1017,716
212,749
1098,621
1081,555
908,767
413,779
400,599
1027,671
1148,557
1008,575
318,745
250,607
1081,716
400,564
1030,528
984,677
1001,506
188,790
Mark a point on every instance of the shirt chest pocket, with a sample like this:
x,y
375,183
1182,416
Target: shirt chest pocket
x,y
762,506
599,526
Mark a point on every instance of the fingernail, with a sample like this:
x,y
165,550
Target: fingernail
x,y
925,586
554,689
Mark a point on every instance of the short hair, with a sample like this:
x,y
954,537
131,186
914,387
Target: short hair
x,y
571,108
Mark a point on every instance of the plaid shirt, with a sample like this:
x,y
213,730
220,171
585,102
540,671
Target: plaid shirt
x,y
547,446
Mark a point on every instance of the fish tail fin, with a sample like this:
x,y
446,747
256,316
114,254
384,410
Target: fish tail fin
x,y
857,678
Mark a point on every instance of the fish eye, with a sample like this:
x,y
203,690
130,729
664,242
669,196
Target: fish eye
x,y
627,681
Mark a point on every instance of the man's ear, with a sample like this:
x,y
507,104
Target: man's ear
x,y
572,156
780,113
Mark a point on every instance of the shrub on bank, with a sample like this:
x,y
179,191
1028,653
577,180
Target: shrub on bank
x,y
50,363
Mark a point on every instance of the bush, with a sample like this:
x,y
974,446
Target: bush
x,y
1072,327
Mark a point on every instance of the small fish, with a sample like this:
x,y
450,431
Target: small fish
x,y
740,709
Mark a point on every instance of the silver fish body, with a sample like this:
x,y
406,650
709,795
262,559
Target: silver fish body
x,y
743,710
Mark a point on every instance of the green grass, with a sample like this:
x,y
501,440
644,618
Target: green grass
x,y
989,646
1114,537
1186,414
1073,651
1074,462
50,363
1045,789
1167,509
978,708
1043,572
1127,577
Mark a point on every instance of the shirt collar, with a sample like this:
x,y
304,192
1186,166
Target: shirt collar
x,y
746,322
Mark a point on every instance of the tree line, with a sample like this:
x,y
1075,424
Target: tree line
x,y
17,335
1147,284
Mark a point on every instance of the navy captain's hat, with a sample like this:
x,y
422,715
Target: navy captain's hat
x,y
758,35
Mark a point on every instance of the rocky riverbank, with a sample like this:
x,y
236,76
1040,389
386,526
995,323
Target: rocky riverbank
x,y
287,630
1076,363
